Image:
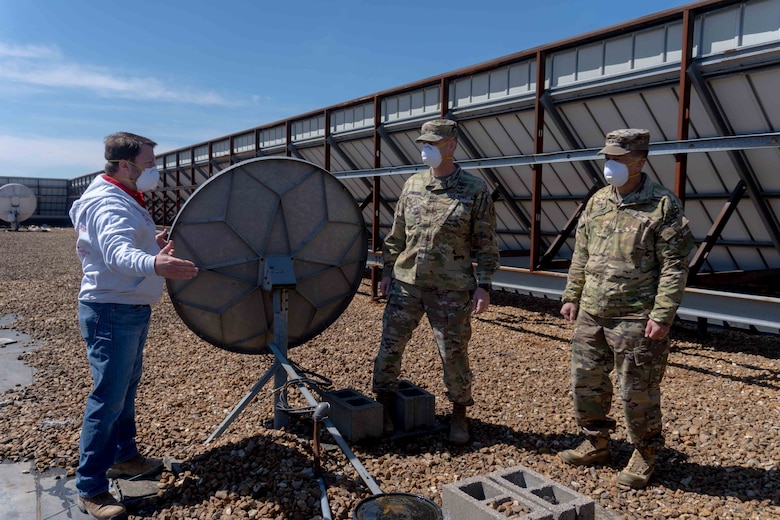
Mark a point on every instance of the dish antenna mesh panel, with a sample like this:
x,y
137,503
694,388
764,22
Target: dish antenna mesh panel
x,y
17,203
239,224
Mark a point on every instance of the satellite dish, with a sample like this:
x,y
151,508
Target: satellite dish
x,y
17,204
274,215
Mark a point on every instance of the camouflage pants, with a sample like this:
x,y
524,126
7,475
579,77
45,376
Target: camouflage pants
x,y
449,313
601,345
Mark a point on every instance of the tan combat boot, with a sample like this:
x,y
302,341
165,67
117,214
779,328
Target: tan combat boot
x,y
593,450
102,507
639,469
459,425
386,400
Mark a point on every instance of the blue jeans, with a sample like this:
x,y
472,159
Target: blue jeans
x,y
115,335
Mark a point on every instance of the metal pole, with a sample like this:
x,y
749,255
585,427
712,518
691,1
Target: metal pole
x,y
280,339
244,402
367,478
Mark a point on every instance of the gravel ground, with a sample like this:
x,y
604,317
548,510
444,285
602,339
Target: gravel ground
x,y
720,399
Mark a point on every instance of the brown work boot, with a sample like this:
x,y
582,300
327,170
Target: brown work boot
x,y
137,467
102,507
459,425
593,450
639,469
386,400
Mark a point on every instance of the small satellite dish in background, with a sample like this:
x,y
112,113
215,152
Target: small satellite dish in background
x,y
17,204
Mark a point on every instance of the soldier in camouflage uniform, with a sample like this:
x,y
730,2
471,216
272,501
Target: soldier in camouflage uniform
x,y
626,280
442,216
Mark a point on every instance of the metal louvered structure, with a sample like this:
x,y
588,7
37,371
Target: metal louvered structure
x,y
703,78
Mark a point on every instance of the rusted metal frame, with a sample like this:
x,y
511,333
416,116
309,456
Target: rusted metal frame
x,y
292,150
684,104
635,25
166,196
366,201
373,187
211,159
716,229
258,150
214,165
288,137
334,145
546,103
571,139
536,178
198,168
738,157
385,136
376,198
326,139
444,96
172,197
761,282
515,208
473,151
566,232
192,168
683,125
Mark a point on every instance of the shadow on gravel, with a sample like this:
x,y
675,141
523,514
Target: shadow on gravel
x,y
744,484
766,378
672,471
258,467
685,337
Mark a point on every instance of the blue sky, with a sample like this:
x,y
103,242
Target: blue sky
x,y
183,72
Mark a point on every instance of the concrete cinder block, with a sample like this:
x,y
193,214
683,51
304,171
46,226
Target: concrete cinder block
x,y
356,416
480,498
413,408
562,502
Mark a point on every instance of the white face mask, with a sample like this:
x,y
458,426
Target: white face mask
x,y
431,155
148,179
615,173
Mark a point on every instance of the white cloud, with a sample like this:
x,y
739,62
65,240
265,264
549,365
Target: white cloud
x,y
44,67
29,51
39,156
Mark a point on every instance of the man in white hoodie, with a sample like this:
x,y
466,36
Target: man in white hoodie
x,y
124,261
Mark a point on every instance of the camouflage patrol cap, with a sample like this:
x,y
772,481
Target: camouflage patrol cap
x,y
626,140
437,129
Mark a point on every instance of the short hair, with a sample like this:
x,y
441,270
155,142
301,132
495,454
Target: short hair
x,y
123,146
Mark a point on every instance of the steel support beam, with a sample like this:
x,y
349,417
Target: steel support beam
x,y
473,151
536,178
684,105
376,196
709,144
716,229
760,312
385,136
330,141
566,232
743,167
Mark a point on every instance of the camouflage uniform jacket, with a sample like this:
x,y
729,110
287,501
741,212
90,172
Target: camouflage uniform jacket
x,y
631,254
438,223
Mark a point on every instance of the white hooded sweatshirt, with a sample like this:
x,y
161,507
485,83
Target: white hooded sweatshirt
x,y
116,245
